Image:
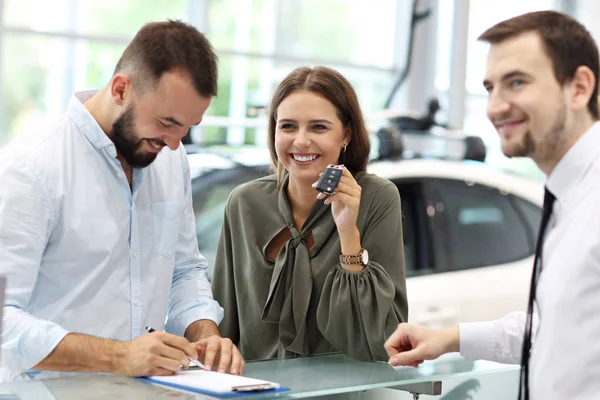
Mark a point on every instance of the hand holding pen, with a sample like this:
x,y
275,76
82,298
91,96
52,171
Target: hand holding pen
x,y
215,352
192,361
159,353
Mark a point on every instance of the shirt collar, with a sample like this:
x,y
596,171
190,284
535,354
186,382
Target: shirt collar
x,y
86,123
572,167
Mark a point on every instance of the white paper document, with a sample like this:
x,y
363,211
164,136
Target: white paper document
x,y
215,382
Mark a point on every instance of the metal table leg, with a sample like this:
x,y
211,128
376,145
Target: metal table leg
x,y
432,388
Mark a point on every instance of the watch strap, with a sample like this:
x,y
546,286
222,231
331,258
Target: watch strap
x,y
351,259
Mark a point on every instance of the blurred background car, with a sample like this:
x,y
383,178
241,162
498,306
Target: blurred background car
x,y
469,230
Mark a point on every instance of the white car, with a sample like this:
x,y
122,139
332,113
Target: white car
x,y
469,230
469,238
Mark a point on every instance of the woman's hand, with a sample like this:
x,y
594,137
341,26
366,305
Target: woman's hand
x,y
345,202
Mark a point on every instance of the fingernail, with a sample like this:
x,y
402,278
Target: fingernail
x,y
221,370
234,371
314,184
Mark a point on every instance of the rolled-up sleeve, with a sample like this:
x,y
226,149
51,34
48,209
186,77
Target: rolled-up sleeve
x,y
500,340
191,296
26,218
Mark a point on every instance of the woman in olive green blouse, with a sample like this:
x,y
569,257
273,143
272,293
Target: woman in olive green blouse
x,y
299,273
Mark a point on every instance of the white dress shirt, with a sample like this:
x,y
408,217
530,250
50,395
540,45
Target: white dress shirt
x,y
83,252
565,359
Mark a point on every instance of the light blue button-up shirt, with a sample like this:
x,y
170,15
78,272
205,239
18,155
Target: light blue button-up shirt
x,y
83,252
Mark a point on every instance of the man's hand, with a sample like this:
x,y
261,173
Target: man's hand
x,y
221,351
410,345
157,353
212,348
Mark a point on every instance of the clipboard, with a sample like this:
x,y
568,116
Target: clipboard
x,y
216,384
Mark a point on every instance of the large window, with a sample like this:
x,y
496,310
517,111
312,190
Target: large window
x,y
48,49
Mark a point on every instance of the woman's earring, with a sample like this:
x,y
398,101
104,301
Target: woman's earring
x,y
343,154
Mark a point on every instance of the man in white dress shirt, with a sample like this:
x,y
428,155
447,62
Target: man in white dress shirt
x,y
542,80
97,231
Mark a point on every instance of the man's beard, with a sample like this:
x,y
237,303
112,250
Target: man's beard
x,y
550,144
128,145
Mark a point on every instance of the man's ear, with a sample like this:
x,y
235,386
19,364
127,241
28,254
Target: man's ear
x,y
120,85
583,85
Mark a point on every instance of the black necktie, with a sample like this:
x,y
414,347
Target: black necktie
x,y
537,269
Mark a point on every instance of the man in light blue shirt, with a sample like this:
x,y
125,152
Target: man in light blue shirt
x,y
97,231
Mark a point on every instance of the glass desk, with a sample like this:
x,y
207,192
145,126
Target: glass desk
x,y
307,377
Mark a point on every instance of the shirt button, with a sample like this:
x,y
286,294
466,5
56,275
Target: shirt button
x,y
136,302
134,254
119,175
98,144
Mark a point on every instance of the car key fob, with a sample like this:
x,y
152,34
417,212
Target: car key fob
x,y
329,179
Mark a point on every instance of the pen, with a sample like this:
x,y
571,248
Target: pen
x,y
195,362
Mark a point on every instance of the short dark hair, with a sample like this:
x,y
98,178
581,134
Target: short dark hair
x,y
161,47
331,85
566,42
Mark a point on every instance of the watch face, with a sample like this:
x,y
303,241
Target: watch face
x,y
365,257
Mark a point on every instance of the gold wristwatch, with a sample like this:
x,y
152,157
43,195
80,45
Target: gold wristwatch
x,y
361,258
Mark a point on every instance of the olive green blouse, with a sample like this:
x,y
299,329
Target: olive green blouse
x,y
304,302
